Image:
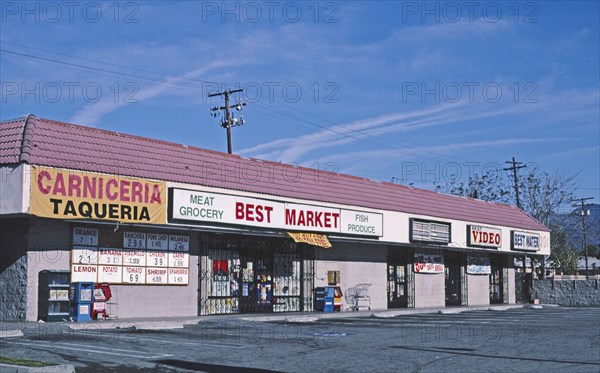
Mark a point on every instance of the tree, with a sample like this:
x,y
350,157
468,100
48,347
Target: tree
x,y
545,195
564,256
488,187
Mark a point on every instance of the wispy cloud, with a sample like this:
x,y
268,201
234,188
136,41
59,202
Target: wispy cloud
x,y
92,113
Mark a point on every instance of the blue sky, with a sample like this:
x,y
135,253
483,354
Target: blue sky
x,y
412,91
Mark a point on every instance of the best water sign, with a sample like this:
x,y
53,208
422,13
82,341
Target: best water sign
x,y
525,241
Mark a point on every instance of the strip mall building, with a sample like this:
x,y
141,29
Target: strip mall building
x,y
183,231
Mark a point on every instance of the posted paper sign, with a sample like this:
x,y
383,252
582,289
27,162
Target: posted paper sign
x,y
427,263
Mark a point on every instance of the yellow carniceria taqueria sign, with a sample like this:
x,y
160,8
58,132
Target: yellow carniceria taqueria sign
x,y
68,194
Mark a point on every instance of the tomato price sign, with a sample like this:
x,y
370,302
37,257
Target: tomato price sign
x,y
134,275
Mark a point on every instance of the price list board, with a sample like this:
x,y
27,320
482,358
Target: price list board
x,y
142,259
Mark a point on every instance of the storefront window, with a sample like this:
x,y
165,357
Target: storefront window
x,y
224,273
286,282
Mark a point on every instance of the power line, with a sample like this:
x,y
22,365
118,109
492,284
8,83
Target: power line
x,y
287,115
359,135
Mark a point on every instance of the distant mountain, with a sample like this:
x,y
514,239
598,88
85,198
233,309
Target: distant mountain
x,y
573,222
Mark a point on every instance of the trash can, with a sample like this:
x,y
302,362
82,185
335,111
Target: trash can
x,y
82,299
319,299
329,299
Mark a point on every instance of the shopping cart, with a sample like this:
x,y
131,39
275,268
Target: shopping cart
x,y
358,296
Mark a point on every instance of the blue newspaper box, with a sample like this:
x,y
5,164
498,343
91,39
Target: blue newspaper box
x,y
329,299
319,299
82,299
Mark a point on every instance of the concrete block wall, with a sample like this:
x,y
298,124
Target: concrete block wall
x,y
567,292
13,270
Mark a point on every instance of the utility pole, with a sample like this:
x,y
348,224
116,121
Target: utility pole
x,y
229,121
515,166
583,214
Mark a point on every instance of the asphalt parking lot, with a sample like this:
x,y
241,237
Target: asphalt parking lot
x,y
551,339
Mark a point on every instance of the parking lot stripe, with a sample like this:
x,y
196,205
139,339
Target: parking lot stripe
x,y
54,345
218,344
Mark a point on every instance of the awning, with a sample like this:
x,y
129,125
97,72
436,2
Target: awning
x,y
311,239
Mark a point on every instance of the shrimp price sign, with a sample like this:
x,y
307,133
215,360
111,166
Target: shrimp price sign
x,y
203,206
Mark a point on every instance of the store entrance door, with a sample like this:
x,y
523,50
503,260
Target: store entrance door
x,y
496,281
397,281
453,271
257,278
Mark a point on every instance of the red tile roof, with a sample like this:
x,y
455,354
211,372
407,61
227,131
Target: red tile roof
x,y
45,142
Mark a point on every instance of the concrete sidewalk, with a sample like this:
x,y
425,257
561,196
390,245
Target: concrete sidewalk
x,y
16,329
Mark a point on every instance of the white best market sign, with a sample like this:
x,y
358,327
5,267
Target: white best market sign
x,y
200,206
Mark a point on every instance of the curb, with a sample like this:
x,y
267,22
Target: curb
x,y
135,325
11,333
62,368
383,314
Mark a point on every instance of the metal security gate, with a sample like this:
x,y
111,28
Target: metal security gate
x,y
496,280
308,277
253,275
454,279
398,280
